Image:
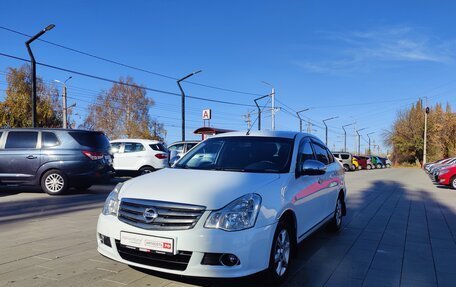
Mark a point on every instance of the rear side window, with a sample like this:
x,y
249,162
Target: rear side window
x,y
157,147
345,156
115,147
21,140
91,139
320,153
49,139
330,156
133,147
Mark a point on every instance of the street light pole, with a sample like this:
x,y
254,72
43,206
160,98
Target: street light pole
x,y
326,129
300,119
345,135
33,66
425,133
369,141
259,110
359,140
183,100
64,100
272,104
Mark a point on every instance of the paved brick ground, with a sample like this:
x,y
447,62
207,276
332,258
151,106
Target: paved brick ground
x,y
400,231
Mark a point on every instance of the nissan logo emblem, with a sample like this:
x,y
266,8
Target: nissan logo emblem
x,y
150,214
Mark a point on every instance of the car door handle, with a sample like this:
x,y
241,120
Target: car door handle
x,y
31,157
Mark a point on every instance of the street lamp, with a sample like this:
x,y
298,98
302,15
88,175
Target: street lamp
x,y
33,62
259,110
272,105
359,140
183,100
64,99
326,128
345,135
300,119
369,141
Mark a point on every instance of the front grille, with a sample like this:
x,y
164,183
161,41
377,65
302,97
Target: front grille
x,y
166,261
171,216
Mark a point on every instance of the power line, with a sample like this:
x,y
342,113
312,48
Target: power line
x,y
130,66
126,84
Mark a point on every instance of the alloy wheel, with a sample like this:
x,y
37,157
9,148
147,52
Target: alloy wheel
x,y
54,182
282,252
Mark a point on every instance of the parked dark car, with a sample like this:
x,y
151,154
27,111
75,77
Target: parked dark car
x,y
55,159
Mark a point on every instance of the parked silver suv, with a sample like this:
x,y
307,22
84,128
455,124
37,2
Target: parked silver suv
x,y
346,158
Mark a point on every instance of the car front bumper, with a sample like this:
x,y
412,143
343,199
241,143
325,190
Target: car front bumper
x,y
252,247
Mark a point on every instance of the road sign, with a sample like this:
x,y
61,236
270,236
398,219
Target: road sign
x,y
207,114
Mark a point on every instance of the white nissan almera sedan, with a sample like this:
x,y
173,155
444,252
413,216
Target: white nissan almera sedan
x,y
234,205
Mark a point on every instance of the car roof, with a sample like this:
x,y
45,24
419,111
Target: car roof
x,y
183,142
145,141
279,134
48,129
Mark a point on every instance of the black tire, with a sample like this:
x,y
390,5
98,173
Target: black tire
x,y
82,187
379,165
346,167
453,182
368,167
146,170
336,222
388,165
54,182
281,254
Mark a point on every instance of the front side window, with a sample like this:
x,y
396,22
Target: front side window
x,y
330,156
49,139
244,154
320,153
133,147
305,153
21,140
345,156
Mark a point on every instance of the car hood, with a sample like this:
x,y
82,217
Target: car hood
x,y
210,188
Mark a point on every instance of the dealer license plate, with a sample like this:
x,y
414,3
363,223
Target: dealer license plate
x,y
146,242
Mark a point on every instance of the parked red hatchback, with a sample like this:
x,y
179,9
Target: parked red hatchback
x,y
447,176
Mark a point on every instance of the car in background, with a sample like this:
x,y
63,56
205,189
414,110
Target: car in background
x,y
234,205
347,160
55,159
434,173
364,162
355,163
180,148
386,162
429,165
447,176
377,162
138,156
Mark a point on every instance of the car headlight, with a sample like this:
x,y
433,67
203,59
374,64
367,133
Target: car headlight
x,y
238,215
111,205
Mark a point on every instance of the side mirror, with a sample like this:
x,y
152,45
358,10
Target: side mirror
x,y
312,167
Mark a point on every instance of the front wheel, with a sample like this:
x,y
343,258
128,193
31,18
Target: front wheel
x,y
54,182
453,182
369,167
280,259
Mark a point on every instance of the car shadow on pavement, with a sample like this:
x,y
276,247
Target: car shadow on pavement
x,y
25,203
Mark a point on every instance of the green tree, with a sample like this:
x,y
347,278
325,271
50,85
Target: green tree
x,y
407,135
123,112
16,109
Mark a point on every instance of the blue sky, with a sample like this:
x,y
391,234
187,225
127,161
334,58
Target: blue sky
x,y
359,61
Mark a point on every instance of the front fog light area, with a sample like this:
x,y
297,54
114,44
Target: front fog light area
x,y
220,259
238,215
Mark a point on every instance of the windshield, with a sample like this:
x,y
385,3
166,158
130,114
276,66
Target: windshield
x,y
246,154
